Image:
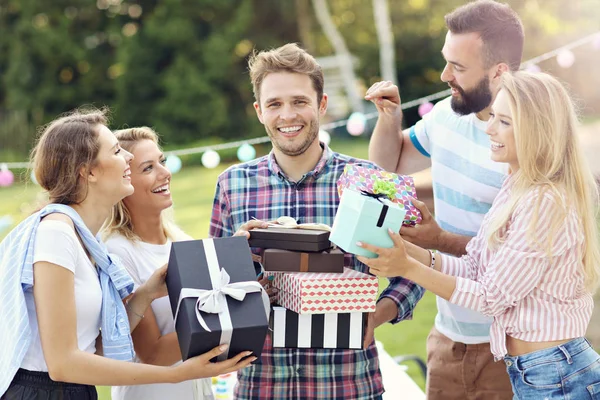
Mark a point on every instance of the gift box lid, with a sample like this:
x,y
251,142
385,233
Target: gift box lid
x,y
188,264
359,178
290,239
289,234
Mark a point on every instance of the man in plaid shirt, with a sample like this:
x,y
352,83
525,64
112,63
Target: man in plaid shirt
x,y
298,179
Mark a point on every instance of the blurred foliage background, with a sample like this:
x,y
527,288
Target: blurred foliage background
x,y
181,65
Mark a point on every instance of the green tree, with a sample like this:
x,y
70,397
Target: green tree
x,y
185,69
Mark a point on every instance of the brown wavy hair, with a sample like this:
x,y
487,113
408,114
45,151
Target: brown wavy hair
x,y
65,148
287,58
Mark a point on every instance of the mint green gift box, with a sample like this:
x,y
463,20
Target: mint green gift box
x,y
363,218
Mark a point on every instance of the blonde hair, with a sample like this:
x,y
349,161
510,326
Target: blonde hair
x,y
287,58
119,221
552,162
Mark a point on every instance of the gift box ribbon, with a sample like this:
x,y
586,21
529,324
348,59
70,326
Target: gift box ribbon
x,y
214,300
304,258
290,223
384,210
303,262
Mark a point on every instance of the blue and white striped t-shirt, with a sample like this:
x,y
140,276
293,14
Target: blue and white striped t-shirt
x,y
465,183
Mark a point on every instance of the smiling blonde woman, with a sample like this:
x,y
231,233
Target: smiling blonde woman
x,y
140,231
535,261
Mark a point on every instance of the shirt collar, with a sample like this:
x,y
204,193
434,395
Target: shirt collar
x,y
326,156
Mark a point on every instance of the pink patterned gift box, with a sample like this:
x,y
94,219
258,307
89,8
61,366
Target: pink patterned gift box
x,y
325,293
361,178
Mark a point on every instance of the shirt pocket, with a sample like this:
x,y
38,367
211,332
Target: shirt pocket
x,y
542,376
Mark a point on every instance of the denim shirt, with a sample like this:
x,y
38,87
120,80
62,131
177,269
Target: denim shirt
x,y
16,277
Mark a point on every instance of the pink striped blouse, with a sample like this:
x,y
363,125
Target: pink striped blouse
x,y
532,297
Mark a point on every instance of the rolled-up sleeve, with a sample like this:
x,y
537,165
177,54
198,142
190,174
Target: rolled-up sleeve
x,y
220,220
406,294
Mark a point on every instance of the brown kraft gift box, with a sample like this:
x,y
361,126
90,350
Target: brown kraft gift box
x,y
293,261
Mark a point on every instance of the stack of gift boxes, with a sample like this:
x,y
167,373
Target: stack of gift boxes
x,y
322,304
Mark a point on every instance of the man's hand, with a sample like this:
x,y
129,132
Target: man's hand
x,y
386,97
369,330
248,226
385,311
266,282
427,234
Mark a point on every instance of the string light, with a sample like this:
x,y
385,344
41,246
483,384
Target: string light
x,y
324,137
246,152
565,58
210,159
530,65
356,124
173,163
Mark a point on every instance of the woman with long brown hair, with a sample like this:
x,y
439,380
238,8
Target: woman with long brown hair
x,y
50,331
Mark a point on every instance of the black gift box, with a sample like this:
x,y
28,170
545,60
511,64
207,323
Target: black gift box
x,y
290,239
189,268
317,331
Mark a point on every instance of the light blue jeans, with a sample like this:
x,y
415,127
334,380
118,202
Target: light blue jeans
x,y
569,371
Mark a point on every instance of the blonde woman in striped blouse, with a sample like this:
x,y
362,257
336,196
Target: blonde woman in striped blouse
x,y
534,263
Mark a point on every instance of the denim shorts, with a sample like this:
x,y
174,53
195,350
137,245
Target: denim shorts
x,y
569,371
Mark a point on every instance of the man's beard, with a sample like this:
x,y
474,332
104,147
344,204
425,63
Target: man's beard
x,y
474,100
294,149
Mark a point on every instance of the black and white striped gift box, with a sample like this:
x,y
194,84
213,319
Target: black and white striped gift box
x,y
317,331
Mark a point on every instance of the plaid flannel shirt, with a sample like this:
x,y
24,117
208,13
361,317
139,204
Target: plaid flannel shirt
x,y
261,190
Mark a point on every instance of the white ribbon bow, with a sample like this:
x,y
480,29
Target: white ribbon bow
x,y
213,300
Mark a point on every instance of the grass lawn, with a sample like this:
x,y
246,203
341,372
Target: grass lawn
x,y
193,190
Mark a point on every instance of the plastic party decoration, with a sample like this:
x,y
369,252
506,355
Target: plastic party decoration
x,y
565,58
425,108
596,42
210,159
356,124
6,176
324,137
359,178
246,152
173,163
